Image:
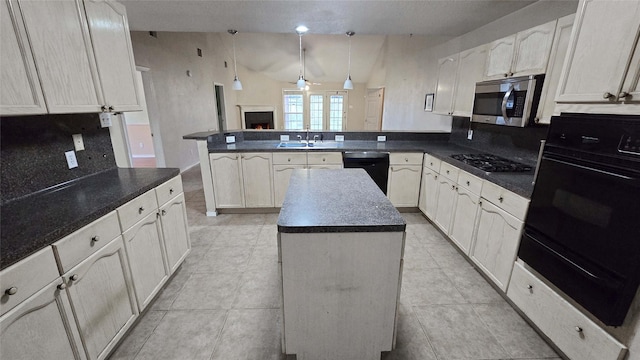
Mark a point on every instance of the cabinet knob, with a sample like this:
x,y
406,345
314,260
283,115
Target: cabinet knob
x,y
110,108
530,288
506,75
501,199
468,183
242,156
623,95
510,74
74,277
323,159
447,171
164,212
103,108
607,95
171,191
435,176
11,291
95,238
289,159
578,329
62,286
140,210
431,163
453,187
406,159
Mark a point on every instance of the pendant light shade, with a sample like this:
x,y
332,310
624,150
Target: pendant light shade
x,y
301,83
348,84
237,85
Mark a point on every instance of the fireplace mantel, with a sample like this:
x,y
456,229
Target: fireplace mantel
x,y
256,108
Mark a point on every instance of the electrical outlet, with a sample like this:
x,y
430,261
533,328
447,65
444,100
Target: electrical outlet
x,y
382,138
78,143
284,138
339,137
231,139
72,162
469,134
105,119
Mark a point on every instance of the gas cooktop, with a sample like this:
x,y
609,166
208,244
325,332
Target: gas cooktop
x,y
491,163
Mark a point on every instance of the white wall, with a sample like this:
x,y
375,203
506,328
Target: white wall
x,y
410,64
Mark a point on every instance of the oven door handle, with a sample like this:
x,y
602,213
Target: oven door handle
x,y
599,171
504,101
602,279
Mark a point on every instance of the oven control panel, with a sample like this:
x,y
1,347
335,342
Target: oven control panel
x,y
630,144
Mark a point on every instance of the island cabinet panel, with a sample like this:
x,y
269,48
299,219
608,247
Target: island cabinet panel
x,y
227,180
570,330
281,176
340,293
41,327
20,91
257,179
175,231
102,298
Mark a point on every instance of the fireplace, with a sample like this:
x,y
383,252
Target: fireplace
x,y
257,116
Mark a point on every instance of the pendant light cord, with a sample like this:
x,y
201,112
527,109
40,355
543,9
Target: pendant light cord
x,y
349,66
300,36
235,67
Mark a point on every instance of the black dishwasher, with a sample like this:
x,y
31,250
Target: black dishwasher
x,y
375,163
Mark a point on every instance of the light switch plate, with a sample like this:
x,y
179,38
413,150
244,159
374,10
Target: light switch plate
x,y
382,138
231,139
78,143
339,137
72,162
469,134
284,138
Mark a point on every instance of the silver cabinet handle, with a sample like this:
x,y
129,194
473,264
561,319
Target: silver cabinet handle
x,y
501,199
111,108
141,210
74,277
468,183
607,95
95,238
578,329
62,286
170,191
11,291
623,95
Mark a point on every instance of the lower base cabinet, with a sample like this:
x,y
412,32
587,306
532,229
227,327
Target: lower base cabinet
x,y
41,327
281,176
175,231
464,216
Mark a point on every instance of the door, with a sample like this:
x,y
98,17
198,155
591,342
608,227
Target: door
x,y
404,185
499,58
20,91
447,71
532,48
140,141
220,109
257,179
446,203
227,180
373,109
464,218
470,69
429,193
175,231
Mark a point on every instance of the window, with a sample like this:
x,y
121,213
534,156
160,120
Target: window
x,y
317,110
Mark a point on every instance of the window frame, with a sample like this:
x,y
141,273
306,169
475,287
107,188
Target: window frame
x,y
306,108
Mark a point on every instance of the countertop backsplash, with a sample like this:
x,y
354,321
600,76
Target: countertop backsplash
x,y
32,156
520,144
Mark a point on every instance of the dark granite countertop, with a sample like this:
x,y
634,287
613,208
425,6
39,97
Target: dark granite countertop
x,y
37,221
336,200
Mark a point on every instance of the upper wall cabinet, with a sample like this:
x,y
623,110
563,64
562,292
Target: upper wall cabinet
x,y
470,67
602,66
20,91
83,56
447,72
525,53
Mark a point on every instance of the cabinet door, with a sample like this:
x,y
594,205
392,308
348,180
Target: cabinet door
x,y
429,193
114,54
281,176
447,70
532,49
601,47
41,327
58,35
470,69
464,218
257,179
175,231
145,251
499,58
446,203
20,91
547,105
102,298
227,180
496,243
403,187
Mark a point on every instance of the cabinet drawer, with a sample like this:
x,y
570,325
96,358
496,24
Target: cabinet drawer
x,y
137,209
26,277
432,163
512,203
287,158
405,158
322,158
449,171
72,249
470,182
169,190
576,335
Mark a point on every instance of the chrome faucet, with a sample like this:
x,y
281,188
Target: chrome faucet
x,y
315,138
299,138
307,133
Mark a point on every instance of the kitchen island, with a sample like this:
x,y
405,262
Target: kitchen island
x,y
340,245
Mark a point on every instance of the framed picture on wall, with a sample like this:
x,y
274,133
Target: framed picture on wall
x,y
428,102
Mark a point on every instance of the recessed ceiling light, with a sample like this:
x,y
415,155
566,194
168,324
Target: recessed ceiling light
x,y
302,29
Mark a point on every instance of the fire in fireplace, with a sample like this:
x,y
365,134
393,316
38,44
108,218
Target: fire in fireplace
x,y
258,120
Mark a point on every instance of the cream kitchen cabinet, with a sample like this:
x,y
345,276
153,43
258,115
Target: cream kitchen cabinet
x,y
445,91
446,196
471,64
37,320
283,166
602,65
324,160
498,231
429,186
570,330
242,179
257,179
524,53
405,170
142,232
82,53
226,172
466,210
175,231
20,91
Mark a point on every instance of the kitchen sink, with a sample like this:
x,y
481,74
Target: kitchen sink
x,y
291,145
309,145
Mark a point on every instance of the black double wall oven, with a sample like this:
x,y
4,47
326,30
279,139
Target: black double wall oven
x,y
582,231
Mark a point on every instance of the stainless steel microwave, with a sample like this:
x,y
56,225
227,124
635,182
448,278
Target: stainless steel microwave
x,y
511,102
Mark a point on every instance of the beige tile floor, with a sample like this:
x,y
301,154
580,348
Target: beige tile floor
x,y
223,303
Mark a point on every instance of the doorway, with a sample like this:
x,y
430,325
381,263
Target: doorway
x,y
138,133
222,118
373,109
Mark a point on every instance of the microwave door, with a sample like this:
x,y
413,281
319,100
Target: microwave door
x,y
505,100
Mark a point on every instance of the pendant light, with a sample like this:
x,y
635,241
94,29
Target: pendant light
x,y
348,84
301,83
237,85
